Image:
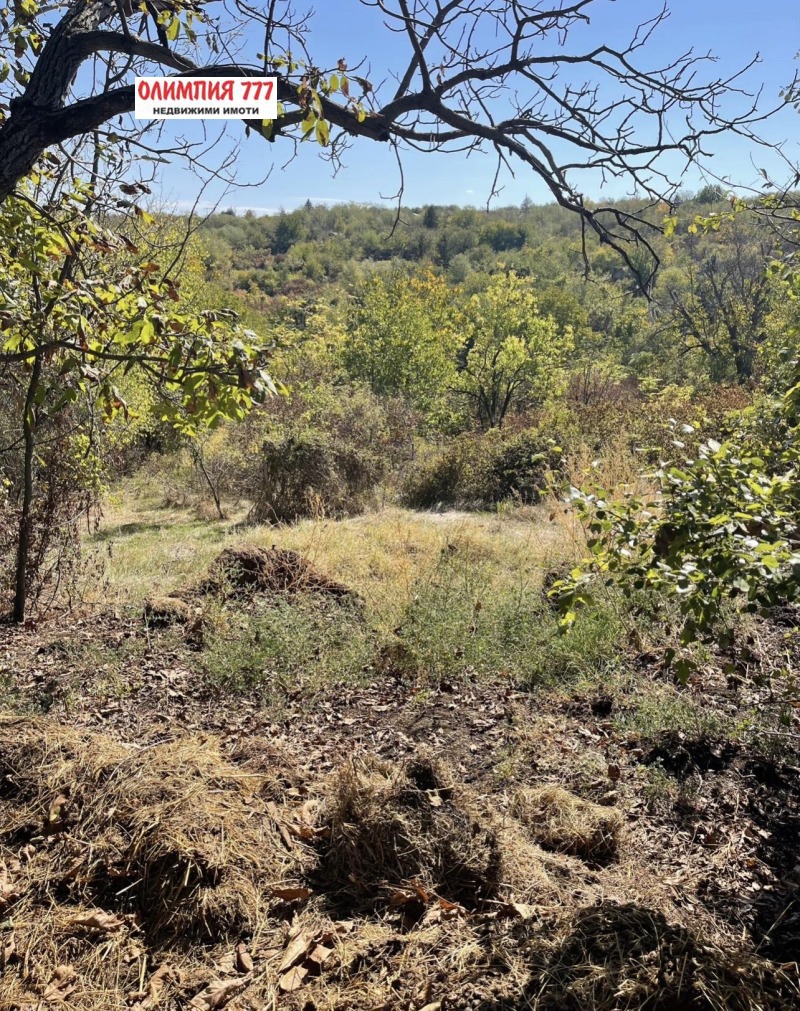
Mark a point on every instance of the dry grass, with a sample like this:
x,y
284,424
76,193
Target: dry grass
x,y
615,468
384,556
171,833
164,877
560,821
392,825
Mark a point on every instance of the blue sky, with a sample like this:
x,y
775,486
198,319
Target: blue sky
x,y
733,30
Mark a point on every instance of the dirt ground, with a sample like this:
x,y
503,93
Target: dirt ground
x,y
696,908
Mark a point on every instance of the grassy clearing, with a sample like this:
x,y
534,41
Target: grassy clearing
x,y
386,556
446,594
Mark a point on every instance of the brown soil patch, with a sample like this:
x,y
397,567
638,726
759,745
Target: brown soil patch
x,y
169,876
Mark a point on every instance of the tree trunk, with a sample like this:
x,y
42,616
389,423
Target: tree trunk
x,y
197,453
24,538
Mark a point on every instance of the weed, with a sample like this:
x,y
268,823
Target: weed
x,y
285,647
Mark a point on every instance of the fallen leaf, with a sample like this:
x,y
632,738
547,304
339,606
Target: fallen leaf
x,y
217,994
293,979
422,895
302,831
272,807
227,965
320,954
268,953
8,948
517,909
99,920
401,899
61,985
244,960
151,996
291,894
8,893
58,808
297,947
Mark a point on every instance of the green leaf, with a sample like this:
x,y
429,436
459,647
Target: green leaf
x,y
323,133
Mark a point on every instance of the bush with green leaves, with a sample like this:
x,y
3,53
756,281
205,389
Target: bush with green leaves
x,y
480,470
721,525
310,473
325,451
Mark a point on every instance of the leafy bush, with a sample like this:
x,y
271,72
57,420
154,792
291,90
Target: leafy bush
x,y
721,526
477,470
328,449
522,468
308,473
454,477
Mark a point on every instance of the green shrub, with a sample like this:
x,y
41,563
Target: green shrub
x,y
479,470
326,450
522,468
455,477
309,473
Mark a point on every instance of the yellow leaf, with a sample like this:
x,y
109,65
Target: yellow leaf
x,y
323,133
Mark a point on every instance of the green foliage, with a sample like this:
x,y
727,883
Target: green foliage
x,y
71,477
721,526
457,476
323,452
402,339
502,236
713,193
512,355
481,470
286,647
716,295
456,624
524,467
95,324
309,474
83,315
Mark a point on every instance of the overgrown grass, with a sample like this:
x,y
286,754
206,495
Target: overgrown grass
x,y
446,596
451,628
286,647
388,557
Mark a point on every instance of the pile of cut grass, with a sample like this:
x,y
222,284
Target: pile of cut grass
x,y
558,820
175,877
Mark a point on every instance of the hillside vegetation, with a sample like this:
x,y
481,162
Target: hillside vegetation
x,y
419,682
